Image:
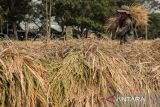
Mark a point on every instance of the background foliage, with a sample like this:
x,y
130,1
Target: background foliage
x,y
84,14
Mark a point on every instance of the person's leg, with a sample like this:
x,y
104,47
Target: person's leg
x,y
126,39
122,40
129,39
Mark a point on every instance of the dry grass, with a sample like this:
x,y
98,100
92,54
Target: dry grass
x,y
111,24
77,73
140,15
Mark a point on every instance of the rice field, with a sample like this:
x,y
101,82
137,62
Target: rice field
x,y
79,73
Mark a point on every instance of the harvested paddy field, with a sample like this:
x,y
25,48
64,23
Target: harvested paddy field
x,y
79,73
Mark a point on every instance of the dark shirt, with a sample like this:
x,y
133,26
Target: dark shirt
x,y
126,28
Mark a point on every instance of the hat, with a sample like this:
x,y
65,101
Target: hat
x,y
124,9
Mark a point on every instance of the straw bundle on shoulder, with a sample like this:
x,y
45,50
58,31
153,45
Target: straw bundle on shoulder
x,y
139,15
111,23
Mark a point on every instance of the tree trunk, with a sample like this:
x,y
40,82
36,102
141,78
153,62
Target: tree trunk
x,y
146,36
62,34
46,29
109,4
7,29
14,25
86,34
27,30
136,33
1,26
50,11
62,22
82,30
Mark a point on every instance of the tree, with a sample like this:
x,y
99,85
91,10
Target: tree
x,y
87,14
42,10
153,27
152,5
1,21
154,31
92,14
63,10
15,11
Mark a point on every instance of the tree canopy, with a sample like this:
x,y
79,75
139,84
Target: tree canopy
x,y
14,11
89,14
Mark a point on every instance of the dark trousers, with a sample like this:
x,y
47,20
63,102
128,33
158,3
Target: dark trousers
x,y
126,39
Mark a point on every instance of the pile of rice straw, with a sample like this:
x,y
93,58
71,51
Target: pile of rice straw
x,y
111,23
139,15
79,73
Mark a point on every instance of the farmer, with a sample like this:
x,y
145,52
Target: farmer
x,y
125,30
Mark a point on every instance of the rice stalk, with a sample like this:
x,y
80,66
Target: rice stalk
x,y
78,73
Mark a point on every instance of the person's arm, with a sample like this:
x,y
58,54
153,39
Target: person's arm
x,y
123,30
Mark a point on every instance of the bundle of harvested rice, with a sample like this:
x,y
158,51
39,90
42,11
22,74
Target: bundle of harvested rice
x,y
111,23
21,78
139,15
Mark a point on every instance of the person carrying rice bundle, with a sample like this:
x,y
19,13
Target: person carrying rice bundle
x,y
125,30
126,22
